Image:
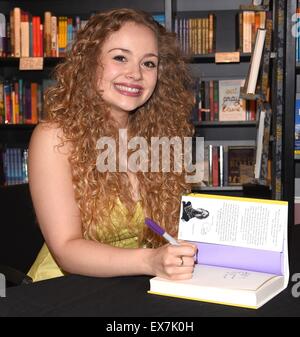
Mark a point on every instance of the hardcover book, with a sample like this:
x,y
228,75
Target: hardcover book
x,y
240,165
242,257
297,122
231,106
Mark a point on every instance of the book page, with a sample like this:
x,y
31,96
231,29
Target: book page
x,y
240,222
219,277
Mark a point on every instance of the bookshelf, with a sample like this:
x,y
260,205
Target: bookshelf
x,y
227,40
201,65
292,72
15,135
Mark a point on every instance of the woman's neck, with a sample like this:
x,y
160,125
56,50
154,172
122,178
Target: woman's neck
x,y
121,118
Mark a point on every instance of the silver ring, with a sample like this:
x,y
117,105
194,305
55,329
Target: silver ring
x,y
182,262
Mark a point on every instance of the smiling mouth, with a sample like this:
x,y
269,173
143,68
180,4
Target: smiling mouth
x,y
132,90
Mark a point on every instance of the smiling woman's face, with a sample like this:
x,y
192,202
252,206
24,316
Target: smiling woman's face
x,y
130,63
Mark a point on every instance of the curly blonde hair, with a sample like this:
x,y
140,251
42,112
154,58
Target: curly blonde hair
x,y
76,106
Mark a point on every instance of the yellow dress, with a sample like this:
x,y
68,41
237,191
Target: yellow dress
x,y
45,266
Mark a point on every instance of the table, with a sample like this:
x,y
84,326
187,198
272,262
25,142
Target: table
x,y
75,295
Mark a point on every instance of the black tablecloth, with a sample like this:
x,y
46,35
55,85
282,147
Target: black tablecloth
x,y
75,295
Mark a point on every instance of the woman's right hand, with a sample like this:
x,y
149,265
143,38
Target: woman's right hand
x,y
174,262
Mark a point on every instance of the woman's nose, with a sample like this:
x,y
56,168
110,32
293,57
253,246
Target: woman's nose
x,y
134,72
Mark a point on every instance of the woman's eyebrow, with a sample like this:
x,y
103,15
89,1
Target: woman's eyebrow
x,y
128,51
124,50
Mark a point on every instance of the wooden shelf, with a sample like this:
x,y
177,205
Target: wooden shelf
x,y
14,61
217,188
210,58
17,126
254,8
224,124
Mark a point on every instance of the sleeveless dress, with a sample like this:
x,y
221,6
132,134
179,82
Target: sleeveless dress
x,y
45,266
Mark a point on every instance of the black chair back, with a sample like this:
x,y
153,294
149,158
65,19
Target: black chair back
x,y
20,236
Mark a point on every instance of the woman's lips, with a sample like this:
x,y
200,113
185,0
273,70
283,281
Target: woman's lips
x,y
132,90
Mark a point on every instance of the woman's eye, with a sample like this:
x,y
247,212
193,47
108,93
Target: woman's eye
x,y
119,58
150,64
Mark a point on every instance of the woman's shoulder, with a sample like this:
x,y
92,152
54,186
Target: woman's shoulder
x,y
48,135
47,129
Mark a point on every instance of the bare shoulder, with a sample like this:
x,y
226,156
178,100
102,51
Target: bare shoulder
x,y
48,138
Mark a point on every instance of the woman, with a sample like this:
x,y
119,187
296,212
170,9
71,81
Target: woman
x,y
124,72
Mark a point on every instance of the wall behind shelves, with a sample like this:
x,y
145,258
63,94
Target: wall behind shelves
x,y
83,7
209,5
207,71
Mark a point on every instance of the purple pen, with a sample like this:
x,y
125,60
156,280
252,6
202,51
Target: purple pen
x,y
160,231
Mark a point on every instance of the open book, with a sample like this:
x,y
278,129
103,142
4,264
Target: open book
x,y
242,255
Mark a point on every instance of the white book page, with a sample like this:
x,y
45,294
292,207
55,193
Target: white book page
x,y
226,278
232,222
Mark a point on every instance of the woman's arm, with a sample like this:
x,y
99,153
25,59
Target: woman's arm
x,y
59,219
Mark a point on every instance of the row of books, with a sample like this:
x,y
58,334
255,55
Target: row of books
x,y
219,100
13,166
296,32
24,35
297,124
228,165
249,23
21,102
198,35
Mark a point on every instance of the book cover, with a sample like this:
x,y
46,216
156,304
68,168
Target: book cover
x,y
252,76
297,122
231,106
242,255
259,142
240,165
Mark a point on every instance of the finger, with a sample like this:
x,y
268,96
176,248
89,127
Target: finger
x,y
185,250
183,242
183,273
185,276
186,261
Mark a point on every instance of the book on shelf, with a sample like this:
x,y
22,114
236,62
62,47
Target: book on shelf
x,y
21,101
231,106
297,31
264,77
249,21
257,5
297,123
228,164
297,202
160,18
240,165
13,166
255,62
242,257
196,35
261,170
23,34
259,142
219,100
2,35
